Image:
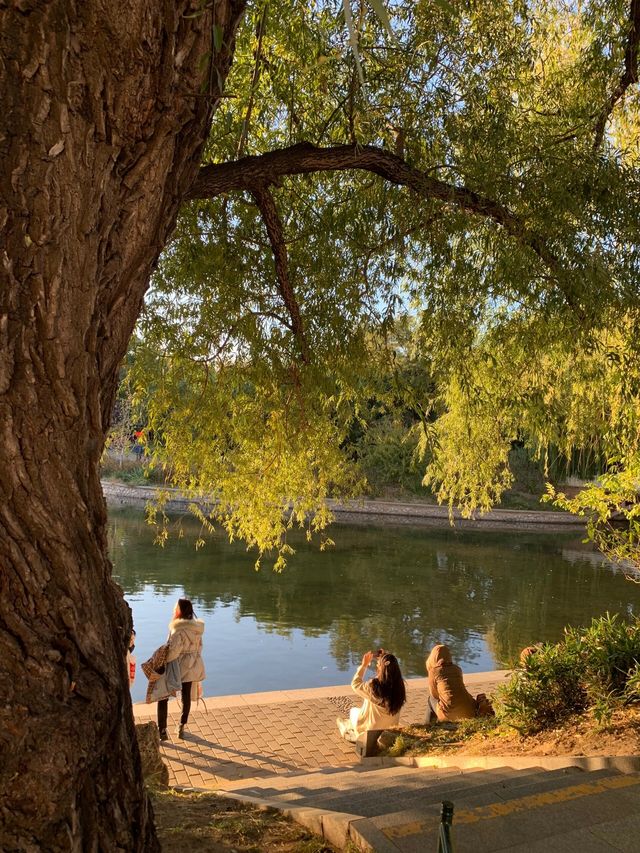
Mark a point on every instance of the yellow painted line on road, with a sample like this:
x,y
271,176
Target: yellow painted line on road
x,y
509,807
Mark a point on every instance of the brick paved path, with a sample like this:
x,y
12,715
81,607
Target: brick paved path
x,y
230,738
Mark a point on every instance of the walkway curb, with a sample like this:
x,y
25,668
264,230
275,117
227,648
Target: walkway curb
x,y
621,763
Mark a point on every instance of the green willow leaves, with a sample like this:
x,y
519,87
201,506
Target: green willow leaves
x,y
519,298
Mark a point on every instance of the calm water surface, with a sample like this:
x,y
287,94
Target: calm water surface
x,y
486,594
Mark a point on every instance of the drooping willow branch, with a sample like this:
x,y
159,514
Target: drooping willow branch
x,y
255,81
629,75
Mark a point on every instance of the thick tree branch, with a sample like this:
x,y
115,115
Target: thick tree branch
x,y
268,169
304,158
271,217
629,75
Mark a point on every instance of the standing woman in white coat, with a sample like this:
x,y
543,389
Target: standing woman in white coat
x,y
185,647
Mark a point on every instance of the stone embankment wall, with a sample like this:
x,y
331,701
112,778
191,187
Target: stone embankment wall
x,y
415,514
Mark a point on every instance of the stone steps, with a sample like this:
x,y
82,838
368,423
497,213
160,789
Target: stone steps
x,y
590,816
468,791
397,808
355,779
481,792
390,790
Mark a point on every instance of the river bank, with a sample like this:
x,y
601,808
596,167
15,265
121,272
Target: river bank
x,y
376,512
236,737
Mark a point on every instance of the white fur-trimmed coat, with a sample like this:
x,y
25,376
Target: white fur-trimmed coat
x,y
185,646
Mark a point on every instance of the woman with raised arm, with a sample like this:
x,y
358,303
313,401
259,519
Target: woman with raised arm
x,y
384,695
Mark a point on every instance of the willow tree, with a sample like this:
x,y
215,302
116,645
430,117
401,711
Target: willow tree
x,y
480,156
480,179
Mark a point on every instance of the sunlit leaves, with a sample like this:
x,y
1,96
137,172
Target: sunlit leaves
x,y
611,507
540,387
248,443
520,329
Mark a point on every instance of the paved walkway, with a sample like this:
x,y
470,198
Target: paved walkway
x,y
269,748
230,738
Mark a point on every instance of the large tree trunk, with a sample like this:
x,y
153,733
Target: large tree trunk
x,y
104,114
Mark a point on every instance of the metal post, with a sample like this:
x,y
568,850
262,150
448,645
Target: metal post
x,y
445,844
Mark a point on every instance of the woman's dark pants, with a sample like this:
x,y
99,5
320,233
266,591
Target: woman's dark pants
x,y
186,707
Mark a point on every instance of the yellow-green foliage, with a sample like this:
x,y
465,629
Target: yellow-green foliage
x,y
561,395
261,457
519,271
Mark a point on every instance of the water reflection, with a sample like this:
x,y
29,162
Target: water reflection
x,y
486,594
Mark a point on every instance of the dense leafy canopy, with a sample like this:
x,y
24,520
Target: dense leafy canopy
x,y
511,254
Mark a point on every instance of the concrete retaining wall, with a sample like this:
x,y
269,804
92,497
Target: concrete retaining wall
x,y
377,512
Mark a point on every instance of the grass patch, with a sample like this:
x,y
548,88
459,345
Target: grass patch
x,y
207,823
579,734
441,737
129,471
525,501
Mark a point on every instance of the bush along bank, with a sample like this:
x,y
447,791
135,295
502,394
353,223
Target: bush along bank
x,y
579,696
594,669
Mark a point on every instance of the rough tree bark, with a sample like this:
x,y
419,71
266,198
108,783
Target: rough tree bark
x,y
104,115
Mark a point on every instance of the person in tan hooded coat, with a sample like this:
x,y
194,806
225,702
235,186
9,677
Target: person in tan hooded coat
x,y
449,699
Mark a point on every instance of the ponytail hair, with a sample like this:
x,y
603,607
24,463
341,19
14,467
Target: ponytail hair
x,y
388,688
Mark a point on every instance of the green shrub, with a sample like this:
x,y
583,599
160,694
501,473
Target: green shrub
x,y
610,653
386,454
595,668
546,690
527,472
632,688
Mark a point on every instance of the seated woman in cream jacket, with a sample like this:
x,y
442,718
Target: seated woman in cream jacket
x,y
384,695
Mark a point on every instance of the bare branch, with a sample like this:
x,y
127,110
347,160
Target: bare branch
x,y
629,75
271,218
304,158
